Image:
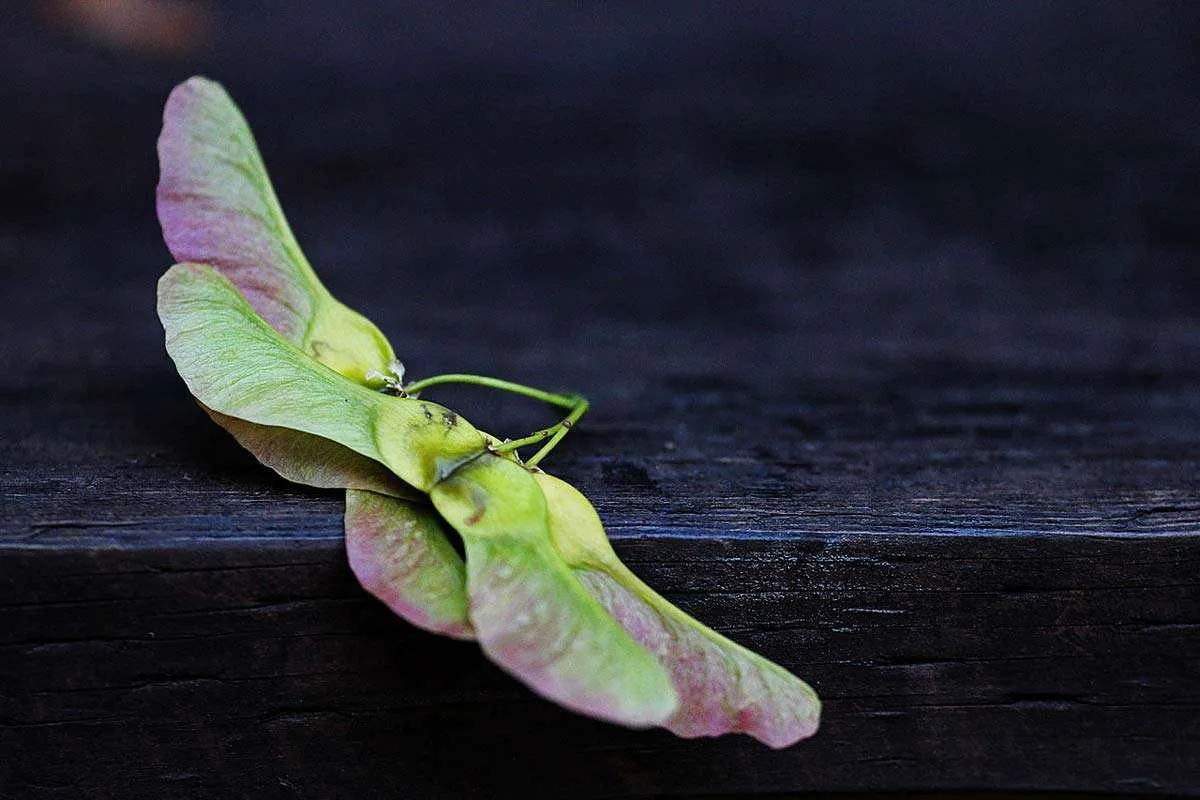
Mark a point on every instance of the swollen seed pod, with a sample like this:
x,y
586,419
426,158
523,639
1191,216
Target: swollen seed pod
x,y
531,615
238,365
216,206
723,687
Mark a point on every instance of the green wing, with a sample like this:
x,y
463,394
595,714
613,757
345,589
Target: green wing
x,y
238,365
722,686
313,461
399,552
216,206
531,615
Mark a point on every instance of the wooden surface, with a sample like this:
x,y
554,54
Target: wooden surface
x,y
899,387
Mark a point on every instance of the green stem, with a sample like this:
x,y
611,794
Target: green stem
x,y
533,438
564,428
578,405
560,400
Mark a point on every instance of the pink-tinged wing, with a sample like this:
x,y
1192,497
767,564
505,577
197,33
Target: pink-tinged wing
x,y
400,553
217,207
722,686
312,460
531,615
234,363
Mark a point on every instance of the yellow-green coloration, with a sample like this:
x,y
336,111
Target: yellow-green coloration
x,y
423,439
238,365
312,460
531,614
217,206
723,687
346,342
292,374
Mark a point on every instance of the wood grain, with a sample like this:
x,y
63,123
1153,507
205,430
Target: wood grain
x,y
910,405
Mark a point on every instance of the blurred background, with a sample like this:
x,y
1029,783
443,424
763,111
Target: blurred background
x,y
765,194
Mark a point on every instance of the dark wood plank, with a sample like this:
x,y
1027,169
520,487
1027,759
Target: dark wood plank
x,y
945,661
894,372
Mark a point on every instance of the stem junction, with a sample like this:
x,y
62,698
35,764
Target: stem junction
x,y
577,404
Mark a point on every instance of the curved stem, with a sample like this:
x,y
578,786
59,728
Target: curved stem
x,y
555,433
533,438
564,428
560,400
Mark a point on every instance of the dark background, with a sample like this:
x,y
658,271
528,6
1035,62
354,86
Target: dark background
x,y
924,182
944,235
890,317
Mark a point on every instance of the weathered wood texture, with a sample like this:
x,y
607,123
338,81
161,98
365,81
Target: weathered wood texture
x,y
895,365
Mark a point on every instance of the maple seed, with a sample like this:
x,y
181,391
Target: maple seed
x,y
314,390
